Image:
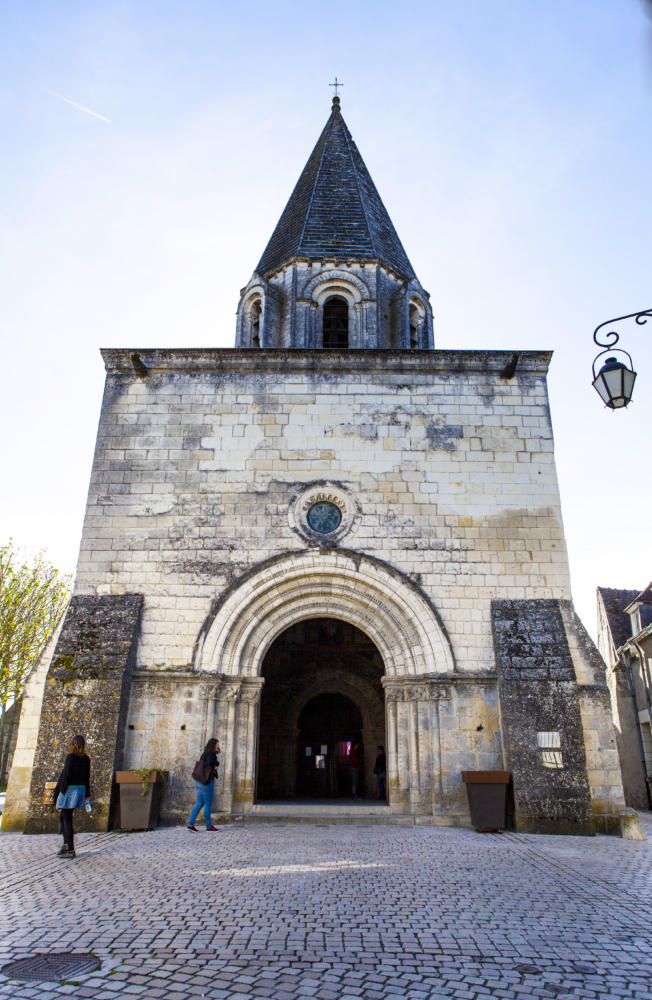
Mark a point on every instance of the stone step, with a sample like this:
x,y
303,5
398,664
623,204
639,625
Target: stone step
x,y
319,819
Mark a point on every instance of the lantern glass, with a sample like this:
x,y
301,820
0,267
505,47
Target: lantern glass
x,y
614,384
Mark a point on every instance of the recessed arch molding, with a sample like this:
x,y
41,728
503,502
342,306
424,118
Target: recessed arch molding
x,y
359,589
366,592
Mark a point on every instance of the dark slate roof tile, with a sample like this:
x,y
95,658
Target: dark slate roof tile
x,y
335,209
615,601
645,597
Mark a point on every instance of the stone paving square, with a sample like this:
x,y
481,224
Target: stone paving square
x,y
335,912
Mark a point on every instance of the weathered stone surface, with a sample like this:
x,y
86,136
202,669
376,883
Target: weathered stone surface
x,y
538,694
86,692
630,825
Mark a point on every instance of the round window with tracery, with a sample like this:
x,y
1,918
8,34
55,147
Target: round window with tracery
x,y
323,513
324,517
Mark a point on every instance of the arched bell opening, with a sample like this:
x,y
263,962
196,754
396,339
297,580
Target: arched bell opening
x,y
255,317
417,326
322,695
335,324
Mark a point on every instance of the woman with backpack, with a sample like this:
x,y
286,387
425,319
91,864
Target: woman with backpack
x,y
205,773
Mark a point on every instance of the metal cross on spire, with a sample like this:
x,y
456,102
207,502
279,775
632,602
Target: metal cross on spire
x,y
336,85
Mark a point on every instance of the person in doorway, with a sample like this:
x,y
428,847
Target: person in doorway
x,y
354,764
72,790
205,789
380,770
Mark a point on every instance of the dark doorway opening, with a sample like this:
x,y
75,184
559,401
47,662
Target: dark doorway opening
x,y
330,726
336,324
322,688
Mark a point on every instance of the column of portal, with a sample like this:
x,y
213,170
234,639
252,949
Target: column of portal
x,y
229,714
247,711
412,707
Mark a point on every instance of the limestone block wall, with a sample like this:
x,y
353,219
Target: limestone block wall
x,y
20,776
470,739
449,464
445,462
453,724
171,718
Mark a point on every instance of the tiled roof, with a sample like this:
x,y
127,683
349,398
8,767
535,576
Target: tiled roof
x,y
615,601
645,597
335,209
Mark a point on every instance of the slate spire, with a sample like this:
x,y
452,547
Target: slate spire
x,y
335,209
334,275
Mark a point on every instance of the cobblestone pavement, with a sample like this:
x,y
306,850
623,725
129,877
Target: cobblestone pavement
x,y
333,913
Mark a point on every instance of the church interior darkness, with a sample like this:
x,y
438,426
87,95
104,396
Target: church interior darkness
x,y
322,694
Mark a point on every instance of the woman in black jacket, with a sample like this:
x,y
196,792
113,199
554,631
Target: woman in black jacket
x,y
73,789
205,789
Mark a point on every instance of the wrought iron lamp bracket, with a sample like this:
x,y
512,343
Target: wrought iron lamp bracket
x,y
612,337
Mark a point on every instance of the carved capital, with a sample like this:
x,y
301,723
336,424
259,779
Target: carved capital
x,y
250,690
418,689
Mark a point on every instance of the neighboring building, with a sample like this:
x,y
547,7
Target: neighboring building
x,y
331,534
625,641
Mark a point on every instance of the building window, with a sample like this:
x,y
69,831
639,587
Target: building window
x,y
417,322
549,746
336,324
256,313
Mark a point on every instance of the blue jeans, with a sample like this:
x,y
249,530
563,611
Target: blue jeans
x,y
204,801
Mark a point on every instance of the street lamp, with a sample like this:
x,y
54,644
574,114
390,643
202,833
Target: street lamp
x,y
614,383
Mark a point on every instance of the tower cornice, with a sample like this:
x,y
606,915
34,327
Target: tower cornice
x,y
496,363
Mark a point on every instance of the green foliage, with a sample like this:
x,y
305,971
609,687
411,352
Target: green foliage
x,y
33,596
144,773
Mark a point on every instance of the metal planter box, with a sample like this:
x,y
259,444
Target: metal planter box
x,y
140,811
487,794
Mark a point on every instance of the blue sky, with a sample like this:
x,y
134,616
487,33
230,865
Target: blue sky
x,y
510,141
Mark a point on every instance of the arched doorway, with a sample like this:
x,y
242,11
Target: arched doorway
x,y
322,693
412,651
330,725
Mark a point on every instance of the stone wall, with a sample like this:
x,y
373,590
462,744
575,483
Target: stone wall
x,y
600,737
539,698
449,464
442,464
86,692
20,776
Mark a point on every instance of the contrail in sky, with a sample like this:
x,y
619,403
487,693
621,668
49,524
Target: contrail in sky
x,y
81,107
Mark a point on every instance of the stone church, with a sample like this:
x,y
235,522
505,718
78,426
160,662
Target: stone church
x,y
333,533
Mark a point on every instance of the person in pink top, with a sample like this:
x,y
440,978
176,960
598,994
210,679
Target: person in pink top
x,y
354,764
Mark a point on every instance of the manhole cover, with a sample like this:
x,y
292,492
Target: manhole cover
x,y
528,970
50,968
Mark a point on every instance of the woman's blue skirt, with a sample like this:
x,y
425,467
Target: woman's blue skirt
x,y
72,798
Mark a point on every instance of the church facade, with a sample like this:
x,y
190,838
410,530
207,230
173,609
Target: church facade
x,y
331,534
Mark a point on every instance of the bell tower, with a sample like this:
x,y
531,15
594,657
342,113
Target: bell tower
x,y
334,274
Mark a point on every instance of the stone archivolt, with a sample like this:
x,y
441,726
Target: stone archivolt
x,y
335,282
389,609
